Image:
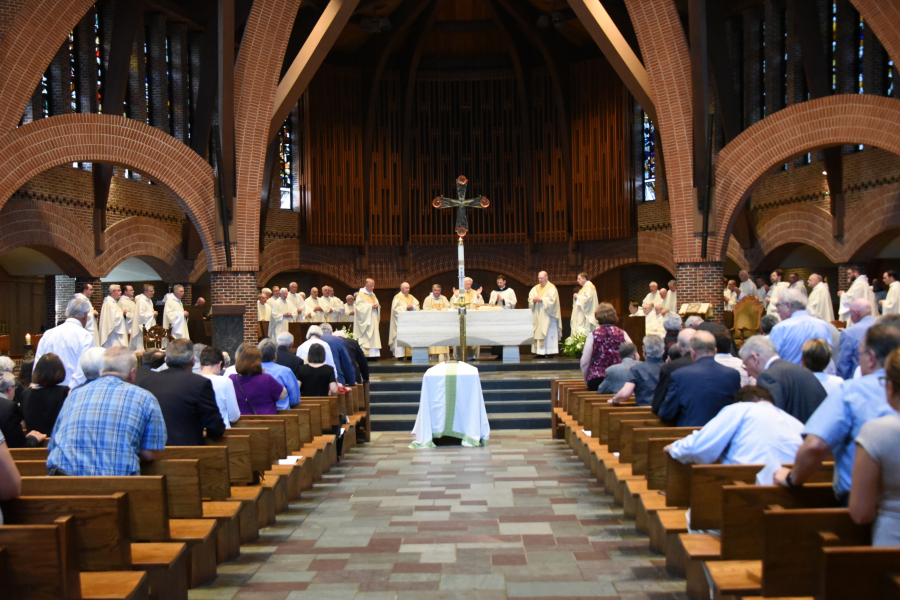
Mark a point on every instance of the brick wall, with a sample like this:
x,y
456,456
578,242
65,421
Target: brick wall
x,y
653,215
8,11
701,282
230,287
638,278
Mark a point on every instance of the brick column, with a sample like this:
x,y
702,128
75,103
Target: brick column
x,y
775,50
156,60
86,61
233,288
137,100
702,282
60,72
178,79
874,64
753,77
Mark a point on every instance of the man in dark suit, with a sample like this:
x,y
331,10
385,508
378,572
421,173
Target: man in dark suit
x,y
665,373
620,374
284,356
11,417
699,324
188,401
698,392
357,357
340,354
795,389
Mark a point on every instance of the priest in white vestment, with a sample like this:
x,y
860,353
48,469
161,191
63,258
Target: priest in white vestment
x,y
145,316
797,284
281,313
859,289
366,319
653,320
331,306
653,296
262,309
584,306
891,304
174,314
348,313
732,292
472,298
762,290
127,302
274,294
778,287
819,303
296,302
402,302
87,290
112,320
670,303
747,287
313,309
503,296
543,300
436,301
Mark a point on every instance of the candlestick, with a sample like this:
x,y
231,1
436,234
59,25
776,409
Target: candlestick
x,y
27,339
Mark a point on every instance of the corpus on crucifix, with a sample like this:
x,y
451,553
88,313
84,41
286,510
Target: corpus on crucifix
x,y
462,228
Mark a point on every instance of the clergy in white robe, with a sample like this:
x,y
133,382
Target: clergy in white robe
x,y
796,283
274,294
503,296
145,316
762,290
671,301
402,302
543,300
296,302
746,287
112,320
262,309
653,320
819,303
584,306
86,292
653,296
472,298
69,340
731,295
777,288
436,301
127,302
891,304
348,313
859,289
366,319
281,313
174,315
313,309
331,306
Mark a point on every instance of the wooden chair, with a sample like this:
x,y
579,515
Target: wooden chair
x,y
4,345
747,314
154,337
839,324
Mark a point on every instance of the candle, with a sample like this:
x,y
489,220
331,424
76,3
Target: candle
x,y
27,339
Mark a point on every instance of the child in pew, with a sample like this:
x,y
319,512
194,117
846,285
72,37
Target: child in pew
x,y
875,488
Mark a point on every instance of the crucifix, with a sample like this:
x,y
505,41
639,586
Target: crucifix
x,y
461,230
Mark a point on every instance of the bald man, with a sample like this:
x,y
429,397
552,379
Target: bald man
x,y
403,302
860,314
819,304
543,300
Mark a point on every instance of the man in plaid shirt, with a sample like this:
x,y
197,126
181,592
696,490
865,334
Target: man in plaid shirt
x,y
109,425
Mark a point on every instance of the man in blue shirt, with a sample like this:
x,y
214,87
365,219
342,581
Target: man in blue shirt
x,y
346,372
283,375
862,319
796,327
836,423
107,426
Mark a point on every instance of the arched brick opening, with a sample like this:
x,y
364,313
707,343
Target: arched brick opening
x,y
42,144
795,224
144,238
51,230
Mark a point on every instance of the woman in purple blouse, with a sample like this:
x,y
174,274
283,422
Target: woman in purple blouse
x,y
256,391
601,348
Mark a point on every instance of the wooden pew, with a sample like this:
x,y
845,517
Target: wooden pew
x,y
875,573
557,387
103,541
42,564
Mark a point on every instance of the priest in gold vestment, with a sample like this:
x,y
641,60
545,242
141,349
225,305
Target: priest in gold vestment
x,y
471,298
436,301
543,300
403,302
365,321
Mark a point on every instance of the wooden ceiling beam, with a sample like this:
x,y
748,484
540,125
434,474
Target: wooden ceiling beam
x,y
309,59
617,51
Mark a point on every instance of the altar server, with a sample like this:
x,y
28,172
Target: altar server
x,y
891,304
859,289
819,303
112,320
262,309
87,290
543,300
503,296
584,306
127,303
366,318
280,315
145,316
174,314
403,302
436,301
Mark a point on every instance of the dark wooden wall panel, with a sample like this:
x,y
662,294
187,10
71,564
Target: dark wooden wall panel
x,y
549,178
385,214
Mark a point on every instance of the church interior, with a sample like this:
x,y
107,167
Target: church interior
x,y
229,147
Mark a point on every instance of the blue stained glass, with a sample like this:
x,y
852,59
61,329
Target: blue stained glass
x,y
890,78
649,159
284,160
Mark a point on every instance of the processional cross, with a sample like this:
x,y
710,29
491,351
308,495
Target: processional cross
x,y
462,228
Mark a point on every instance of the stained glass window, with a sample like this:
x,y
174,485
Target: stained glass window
x,y
147,80
833,46
284,166
762,99
99,59
45,96
169,89
649,167
890,78
862,43
73,94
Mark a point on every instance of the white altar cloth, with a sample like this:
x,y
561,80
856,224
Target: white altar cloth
x,y
451,404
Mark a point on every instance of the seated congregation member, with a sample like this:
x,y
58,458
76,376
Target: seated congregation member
x,y
187,401
671,325
198,350
796,326
816,356
601,347
10,478
7,365
724,357
795,389
316,378
861,319
284,356
313,338
282,375
699,391
837,422
665,373
673,353
91,364
357,357
752,431
258,393
875,491
767,322
345,371
11,417
69,340
109,425
697,322
643,376
211,364
42,401
618,375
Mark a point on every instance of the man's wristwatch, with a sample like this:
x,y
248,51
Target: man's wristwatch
x,y
790,481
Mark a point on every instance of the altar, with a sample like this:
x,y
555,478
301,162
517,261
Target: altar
x,y
451,404
507,328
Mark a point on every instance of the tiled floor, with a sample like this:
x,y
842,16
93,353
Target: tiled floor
x,y
519,519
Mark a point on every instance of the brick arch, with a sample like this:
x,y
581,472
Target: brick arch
x,y
876,214
38,31
650,247
141,237
51,230
795,224
200,267
737,254
884,19
830,121
278,256
39,145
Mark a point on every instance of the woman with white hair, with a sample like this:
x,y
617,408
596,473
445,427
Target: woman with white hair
x,y
671,325
314,337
